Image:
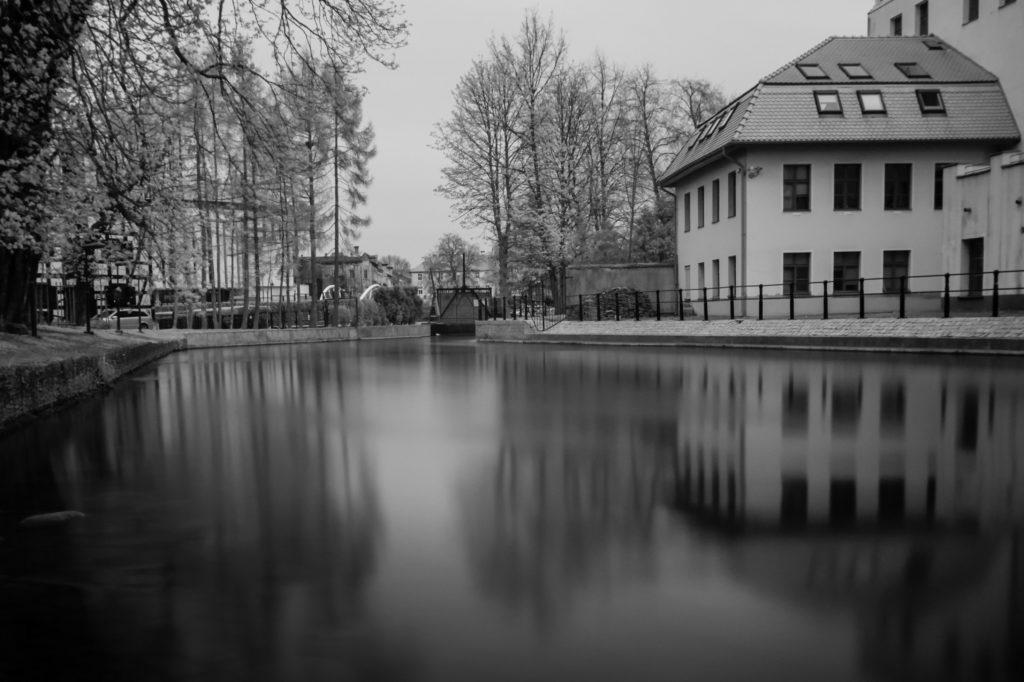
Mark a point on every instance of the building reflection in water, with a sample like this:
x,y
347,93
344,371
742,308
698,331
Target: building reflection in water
x,y
204,552
885,488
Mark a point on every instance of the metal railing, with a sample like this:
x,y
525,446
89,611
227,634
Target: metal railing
x,y
535,305
962,294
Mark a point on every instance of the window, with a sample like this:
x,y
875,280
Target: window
x,y
812,71
716,281
700,277
897,186
896,25
846,272
732,274
970,11
939,170
828,103
855,71
871,102
796,274
930,102
715,200
700,207
419,276
732,194
921,10
686,280
847,187
796,187
686,212
912,70
895,267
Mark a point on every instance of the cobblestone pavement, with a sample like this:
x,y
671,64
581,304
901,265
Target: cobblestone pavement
x,y
953,328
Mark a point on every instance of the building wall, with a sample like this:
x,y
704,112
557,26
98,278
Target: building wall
x,y
822,231
994,40
591,279
986,201
715,240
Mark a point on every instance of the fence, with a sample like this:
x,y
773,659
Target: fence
x,y
76,306
946,295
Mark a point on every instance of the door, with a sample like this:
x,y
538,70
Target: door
x,y
974,255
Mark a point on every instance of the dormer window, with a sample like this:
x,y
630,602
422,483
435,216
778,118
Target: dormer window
x,y
871,102
854,71
931,102
812,71
828,103
912,70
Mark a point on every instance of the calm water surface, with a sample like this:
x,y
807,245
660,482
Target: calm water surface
x,y
442,510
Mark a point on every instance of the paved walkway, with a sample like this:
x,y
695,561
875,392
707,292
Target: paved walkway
x,y
962,327
965,334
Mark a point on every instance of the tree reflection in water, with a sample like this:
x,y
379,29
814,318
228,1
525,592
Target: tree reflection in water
x,y
204,551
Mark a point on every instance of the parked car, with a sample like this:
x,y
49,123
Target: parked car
x,y
131,318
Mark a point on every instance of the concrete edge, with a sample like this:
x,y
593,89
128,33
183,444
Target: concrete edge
x,y
874,344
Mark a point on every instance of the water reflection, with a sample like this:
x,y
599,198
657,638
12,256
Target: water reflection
x,y
889,490
233,523
584,447
443,510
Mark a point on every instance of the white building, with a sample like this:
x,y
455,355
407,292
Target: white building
x,y
831,169
984,220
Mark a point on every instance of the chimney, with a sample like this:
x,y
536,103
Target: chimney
x,y
355,250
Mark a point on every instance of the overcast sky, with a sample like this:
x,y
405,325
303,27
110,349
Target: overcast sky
x,y
733,44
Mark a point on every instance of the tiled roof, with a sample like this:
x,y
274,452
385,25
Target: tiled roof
x,y
788,113
782,107
879,57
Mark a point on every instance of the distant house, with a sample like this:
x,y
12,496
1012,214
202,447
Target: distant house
x,y
355,273
480,275
833,168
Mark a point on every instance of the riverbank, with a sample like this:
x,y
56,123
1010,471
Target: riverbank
x,y
966,335
62,365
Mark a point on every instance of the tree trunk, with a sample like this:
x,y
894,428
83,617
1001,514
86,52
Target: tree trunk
x,y
17,278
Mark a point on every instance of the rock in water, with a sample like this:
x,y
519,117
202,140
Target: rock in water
x,y
51,519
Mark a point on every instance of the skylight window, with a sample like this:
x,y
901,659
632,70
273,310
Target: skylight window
x,y
828,103
931,102
854,71
725,118
871,102
812,71
912,70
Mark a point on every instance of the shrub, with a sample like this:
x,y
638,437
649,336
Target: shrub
x,y
398,306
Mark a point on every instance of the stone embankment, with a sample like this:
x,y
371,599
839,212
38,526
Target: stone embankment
x,y
986,335
64,365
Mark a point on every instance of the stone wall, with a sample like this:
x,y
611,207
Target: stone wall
x,y
30,390
592,279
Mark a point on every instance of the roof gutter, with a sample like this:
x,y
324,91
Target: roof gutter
x,y
743,227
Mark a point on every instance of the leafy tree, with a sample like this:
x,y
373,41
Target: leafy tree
x,y
109,95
